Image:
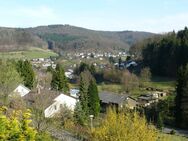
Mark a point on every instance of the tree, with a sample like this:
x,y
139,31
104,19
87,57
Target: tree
x,y
145,75
84,83
27,73
79,115
124,127
111,60
160,122
94,101
9,79
119,61
16,127
59,80
92,69
181,100
129,81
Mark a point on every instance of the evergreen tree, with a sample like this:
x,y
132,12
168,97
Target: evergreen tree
x,y
79,115
160,122
119,61
84,93
27,73
59,80
181,100
94,101
92,69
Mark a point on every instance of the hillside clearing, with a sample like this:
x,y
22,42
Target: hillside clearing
x,y
32,53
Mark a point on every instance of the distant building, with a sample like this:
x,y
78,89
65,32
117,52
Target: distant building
x,y
147,99
74,93
59,102
111,99
22,90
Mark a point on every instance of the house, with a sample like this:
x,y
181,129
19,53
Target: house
x,y
111,99
22,90
69,74
147,99
58,103
130,63
74,93
160,94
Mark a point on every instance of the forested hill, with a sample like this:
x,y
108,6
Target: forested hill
x,y
164,54
70,38
12,39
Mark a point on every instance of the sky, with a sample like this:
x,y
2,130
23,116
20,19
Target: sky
x,y
158,16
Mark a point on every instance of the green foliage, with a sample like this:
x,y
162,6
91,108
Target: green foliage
x,y
27,73
9,78
94,101
84,83
111,60
167,53
89,99
79,115
59,80
181,101
85,67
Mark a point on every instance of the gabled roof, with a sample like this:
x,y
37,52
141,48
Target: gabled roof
x,y
109,97
22,90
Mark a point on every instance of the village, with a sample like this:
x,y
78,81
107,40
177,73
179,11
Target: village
x,y
107,99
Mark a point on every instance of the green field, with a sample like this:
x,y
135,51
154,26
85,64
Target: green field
x,y
32,53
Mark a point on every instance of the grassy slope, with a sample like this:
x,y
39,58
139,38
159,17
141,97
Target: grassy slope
x,y
29,54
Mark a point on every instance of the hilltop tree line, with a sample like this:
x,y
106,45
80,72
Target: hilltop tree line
x,y
164,55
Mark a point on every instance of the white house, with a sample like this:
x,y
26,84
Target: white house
x,y
22,90
69,74
59,102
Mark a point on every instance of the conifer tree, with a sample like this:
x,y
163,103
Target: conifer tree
x,y
181,101
79,115
27,73
94,102
59,80
84,93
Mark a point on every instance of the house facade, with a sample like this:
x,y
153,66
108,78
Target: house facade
x,y
58,103
108,99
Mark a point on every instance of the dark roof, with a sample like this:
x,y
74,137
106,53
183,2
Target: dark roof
x,y
109,97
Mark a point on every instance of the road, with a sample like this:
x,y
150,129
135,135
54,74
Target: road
x,y
177,131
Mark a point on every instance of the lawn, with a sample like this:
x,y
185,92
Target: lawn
x,y
110,87
29,54
166,85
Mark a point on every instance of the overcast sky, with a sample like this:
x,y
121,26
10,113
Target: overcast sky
x,y
141,15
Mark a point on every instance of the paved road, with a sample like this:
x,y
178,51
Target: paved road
x,y
177,131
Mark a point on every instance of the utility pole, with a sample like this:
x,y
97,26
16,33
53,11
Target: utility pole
x,y
91,120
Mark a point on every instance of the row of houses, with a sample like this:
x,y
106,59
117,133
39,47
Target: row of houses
x,y
43,62
107,99
96,55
